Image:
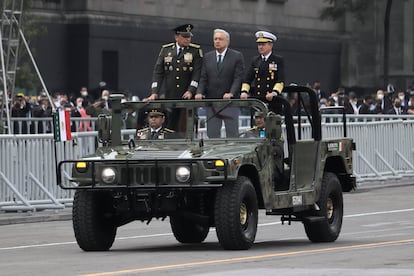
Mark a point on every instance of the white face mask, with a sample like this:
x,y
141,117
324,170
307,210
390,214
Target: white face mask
x,y
79,105
84,93
105,98
380,96
401,98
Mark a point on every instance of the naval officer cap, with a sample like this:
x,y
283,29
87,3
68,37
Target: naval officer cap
x,y
184,30
155,113
263,36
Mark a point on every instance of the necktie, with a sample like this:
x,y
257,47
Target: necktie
x,y
154,135
180,50
219,62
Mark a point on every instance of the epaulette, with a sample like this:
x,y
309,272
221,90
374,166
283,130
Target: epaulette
x,y
168,45
195,45
251,129
143,129
168,130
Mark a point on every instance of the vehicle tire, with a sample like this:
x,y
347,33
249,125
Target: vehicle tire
x,y
236,214
331,208
93,220
188,231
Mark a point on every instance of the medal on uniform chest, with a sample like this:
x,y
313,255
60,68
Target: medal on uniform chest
x,y
171,68
272,66
161,136
184,68
191,69
272,69
188,57
168,58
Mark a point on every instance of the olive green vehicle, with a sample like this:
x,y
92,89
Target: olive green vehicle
x,y
200,183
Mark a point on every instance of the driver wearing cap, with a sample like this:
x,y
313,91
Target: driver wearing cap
x,y
264,79
156,130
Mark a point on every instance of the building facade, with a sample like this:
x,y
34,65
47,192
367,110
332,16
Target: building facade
x,y
118,41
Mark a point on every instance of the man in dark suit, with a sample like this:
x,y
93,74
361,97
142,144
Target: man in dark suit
x,y
221,78
264,79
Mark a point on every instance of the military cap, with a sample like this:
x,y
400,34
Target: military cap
x,y
263,36
184,30
155,112
258,114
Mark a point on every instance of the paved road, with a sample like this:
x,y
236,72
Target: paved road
x,y
377,239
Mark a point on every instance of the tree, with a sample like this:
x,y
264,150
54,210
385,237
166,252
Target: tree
x,y
359,9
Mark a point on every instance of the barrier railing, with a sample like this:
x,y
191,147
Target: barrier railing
x,y
43,125
385,151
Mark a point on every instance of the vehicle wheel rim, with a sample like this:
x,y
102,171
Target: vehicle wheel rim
x,y
329,209
243,214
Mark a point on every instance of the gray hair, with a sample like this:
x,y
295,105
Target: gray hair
x,y
226,34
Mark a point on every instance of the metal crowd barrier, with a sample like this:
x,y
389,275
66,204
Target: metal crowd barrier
x,y
385,151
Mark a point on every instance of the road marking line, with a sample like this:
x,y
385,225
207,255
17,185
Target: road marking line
x,y
249,258
169,234
379,213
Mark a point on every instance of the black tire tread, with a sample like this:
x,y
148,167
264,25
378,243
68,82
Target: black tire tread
x,y
324,231
93,232
227,214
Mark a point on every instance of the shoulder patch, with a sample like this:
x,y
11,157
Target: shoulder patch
x,y
168,130
194,45
168,45
142,129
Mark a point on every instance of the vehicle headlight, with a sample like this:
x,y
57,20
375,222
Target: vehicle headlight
x,y
108,175
182,174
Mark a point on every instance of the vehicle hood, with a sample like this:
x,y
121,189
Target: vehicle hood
x,y
176,151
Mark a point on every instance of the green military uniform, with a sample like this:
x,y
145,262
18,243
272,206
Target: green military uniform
x,y
148,134
255,132
179,72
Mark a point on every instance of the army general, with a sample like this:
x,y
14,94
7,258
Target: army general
x,y
178,67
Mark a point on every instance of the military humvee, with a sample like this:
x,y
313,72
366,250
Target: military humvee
x,y
200,183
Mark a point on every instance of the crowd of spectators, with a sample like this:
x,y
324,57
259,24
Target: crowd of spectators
x,y
384,101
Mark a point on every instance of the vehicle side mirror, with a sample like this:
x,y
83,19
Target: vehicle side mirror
x,y
104,129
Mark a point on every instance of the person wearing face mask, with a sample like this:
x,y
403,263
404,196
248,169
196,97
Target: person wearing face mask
x,y
383,101
87,98
396,107
80,112
404,101
100,106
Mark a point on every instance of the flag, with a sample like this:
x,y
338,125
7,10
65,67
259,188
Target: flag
x,y
61,123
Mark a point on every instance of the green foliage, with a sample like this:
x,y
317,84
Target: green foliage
x,y
338,8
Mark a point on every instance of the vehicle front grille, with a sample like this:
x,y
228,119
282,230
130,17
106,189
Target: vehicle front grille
x,y
147,175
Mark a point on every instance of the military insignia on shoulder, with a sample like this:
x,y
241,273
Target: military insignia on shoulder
x,y
195,45
168,45
142,133
168,130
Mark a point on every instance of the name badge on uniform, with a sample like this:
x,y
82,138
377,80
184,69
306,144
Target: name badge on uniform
x,y
272,66
168,58
188,57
